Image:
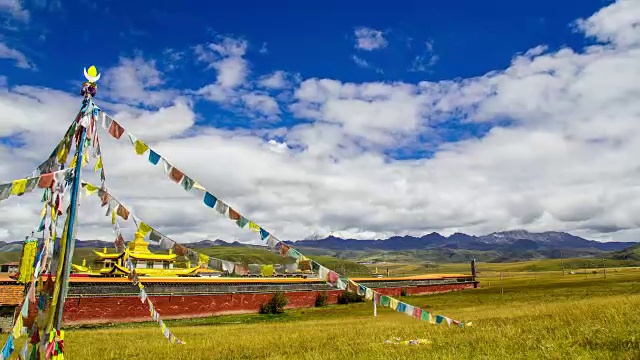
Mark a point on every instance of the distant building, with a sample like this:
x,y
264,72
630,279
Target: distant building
x,y
145,262
10,297
11,267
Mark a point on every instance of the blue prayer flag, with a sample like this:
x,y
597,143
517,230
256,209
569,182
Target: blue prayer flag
x,y
209,200
263,234
8,347
153,157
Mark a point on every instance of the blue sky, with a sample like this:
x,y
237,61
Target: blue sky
x,y
424,41
353,118
469,38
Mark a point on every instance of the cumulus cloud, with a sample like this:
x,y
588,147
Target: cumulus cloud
x,y
263,103
559,154
226,57
136,81
276,80
369,39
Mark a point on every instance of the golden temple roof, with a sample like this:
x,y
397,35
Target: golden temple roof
x,y
138,249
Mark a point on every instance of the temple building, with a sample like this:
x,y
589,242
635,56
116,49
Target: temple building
x,y
145,262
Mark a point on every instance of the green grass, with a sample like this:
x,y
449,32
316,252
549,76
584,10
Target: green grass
x,y
539,316
575,264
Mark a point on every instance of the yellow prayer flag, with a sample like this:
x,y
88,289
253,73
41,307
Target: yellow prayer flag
x,y
140,147
393,303
198,186
44,210
62,154
113,217
98,164
144,228
17,328
254,227
26,262
90,189
18,187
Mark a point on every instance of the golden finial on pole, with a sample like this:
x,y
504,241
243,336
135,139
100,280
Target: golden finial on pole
x,y
89,87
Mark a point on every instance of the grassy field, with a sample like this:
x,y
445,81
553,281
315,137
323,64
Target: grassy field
x,y
547,316
575,264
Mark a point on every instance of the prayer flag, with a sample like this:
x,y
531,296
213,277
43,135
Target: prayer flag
x,y
98,165
46,180
18,187
233,215
140,147
144,228
153,157
254,227
221,207
116,130
187,183
209,200
176,175
242,222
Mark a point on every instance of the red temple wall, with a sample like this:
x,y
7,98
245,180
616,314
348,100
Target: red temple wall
x,y
96,310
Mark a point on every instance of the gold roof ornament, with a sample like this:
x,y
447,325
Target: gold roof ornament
x,y
92,74
89,87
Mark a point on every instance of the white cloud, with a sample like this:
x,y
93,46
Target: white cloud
x,y
426,60
276,80
364,64
136,81
14,9
21,60
263,49
360,62
262,103
226,57
564,160
369,39
618,24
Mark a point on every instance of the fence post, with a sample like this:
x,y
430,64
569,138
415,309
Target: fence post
x,y
585,271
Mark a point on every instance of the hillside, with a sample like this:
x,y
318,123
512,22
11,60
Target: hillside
x,y
630,253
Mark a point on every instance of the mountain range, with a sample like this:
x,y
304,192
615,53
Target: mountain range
x,y
498,246
516,240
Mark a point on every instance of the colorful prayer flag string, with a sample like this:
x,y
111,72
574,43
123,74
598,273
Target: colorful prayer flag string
x,y
156,236
44,181
116,130
108,200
